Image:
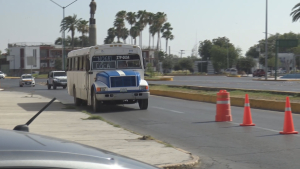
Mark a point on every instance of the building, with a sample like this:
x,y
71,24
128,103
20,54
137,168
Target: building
x,y
44,57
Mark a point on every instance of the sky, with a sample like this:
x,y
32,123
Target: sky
x,y
242,21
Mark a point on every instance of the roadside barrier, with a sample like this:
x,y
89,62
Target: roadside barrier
x,y
247,121
288,126
223,112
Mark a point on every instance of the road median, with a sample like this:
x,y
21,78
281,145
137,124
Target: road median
x,y
235,101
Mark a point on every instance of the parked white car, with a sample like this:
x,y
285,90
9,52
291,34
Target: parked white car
x,y
26,80
57,78
2,75
231,71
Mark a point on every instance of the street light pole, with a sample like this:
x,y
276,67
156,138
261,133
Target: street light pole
x,y
227,56
63,33
266,43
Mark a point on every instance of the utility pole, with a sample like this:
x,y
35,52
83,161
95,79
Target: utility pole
x,y
181,52
266,43
63,33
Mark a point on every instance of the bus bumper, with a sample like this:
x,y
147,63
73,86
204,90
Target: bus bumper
x,y
123,96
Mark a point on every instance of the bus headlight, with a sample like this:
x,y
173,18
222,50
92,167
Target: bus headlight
x,y
144,87
101,89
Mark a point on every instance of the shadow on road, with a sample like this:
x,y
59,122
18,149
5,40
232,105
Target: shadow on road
x,y
56,106
277,134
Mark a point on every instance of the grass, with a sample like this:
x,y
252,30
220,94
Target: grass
x,y
40,76
235,93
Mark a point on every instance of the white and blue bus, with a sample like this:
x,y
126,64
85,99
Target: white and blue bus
x,y
107,74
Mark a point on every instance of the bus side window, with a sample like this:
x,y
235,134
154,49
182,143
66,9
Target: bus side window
x,y
79,63
83,63
87,61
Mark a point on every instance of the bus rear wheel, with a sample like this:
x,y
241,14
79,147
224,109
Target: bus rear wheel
x,y
95,103
143,104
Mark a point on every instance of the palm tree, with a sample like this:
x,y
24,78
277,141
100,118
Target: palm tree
x,y
121,14
153,30
111,34
150,20
69,23
58,41
82,26
131,20
119,24
296,12
159,19
143,21
134,32
167,34
125,34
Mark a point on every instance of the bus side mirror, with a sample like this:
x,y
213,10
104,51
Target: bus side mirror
x,y
144,63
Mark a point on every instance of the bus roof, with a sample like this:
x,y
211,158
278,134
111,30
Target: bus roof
x,y
86,51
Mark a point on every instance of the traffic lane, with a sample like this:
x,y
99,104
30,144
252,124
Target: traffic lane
x,y
229,82
190,125
40,89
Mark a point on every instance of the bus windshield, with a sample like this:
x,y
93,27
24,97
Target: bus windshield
x,y
116,62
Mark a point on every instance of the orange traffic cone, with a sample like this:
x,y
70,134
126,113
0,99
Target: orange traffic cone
x,y
288,126
247,114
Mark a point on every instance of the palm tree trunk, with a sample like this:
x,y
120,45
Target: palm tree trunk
x,y
141,39
135,41
158,34
82,40
166,45
130,35
149,39
153,41
73,39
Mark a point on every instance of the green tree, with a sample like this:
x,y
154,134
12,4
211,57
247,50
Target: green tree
x,y
82,27
69,23
186,64
295,12
153,30
252,52
130,17
218,57
111,34
167,34
245,64
204,49
7,51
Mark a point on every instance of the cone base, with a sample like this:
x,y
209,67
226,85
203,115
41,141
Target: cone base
x,y
292,132
252,124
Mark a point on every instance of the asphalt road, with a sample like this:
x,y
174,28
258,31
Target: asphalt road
x,y
190,125
232,82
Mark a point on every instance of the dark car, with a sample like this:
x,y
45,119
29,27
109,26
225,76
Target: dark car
x,y
19,149
259,73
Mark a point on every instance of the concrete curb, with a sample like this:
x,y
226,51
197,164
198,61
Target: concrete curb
x,y
161,79
185,165
233,75
278,80
12,77
234,101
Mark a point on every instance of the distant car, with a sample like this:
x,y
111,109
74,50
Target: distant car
x,y
231,71
2,75
57,78
26,80
259,73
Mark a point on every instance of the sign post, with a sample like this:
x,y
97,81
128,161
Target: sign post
x,y
31,61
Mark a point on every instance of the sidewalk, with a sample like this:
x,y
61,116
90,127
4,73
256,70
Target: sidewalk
x,y
62,122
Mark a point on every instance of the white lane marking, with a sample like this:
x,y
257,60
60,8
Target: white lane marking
x,y
266,129
167,109
121,73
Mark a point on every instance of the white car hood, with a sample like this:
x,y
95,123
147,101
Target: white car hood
x,y
60,77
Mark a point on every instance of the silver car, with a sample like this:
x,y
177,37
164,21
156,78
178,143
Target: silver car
x,y
2,75
26,80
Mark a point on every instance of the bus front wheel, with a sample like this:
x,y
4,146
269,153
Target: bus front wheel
x,y
143,103
95,104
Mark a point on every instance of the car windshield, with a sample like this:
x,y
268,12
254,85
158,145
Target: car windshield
x,y
26,77
60,74
116,62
